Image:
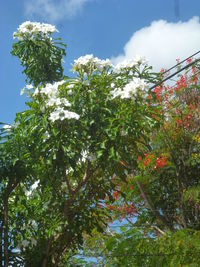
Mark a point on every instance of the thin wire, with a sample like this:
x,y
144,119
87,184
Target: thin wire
x,y
179,63
175,84
175,73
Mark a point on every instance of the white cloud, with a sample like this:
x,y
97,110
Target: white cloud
x,y
163,42
53,10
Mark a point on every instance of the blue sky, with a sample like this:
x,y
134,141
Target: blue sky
x,y
115,29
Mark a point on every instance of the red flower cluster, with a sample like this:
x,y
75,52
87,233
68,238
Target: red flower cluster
x,y
150,158
158,92
185,121
160,163
124,210
182,83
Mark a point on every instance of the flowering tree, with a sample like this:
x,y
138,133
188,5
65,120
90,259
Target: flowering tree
x,y
160,199
64,154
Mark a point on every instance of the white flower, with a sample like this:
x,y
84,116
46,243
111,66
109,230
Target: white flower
x,y
89,62
70,86
69,92
51,92
33,29
83,61
35,185
61,114
65,102
85,155
69,170
137,61
116,92
112,85
29,86
49,89
52,99
140,60
36,92
131,89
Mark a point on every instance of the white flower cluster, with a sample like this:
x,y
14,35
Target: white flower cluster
x,y
58,102
130,63
51,90
34,29
53,100
131,89
89,62
86,155
60,114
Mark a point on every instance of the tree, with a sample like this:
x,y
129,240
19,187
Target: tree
x,y
60,158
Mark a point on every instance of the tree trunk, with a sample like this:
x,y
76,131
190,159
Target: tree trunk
x,y
44,263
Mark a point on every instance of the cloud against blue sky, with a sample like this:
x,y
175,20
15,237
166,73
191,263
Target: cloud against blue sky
x,y
54,11
163,42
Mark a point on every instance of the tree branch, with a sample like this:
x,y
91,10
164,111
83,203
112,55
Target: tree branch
x,y
149,203
73,192
44,263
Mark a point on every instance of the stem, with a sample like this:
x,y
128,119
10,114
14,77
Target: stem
x,y
67,181
44,263
82,183
159,230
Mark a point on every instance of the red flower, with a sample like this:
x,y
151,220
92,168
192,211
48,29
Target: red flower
x,y
146,161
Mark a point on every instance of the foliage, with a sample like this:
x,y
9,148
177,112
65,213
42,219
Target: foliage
x,y
39,53
160,199
60,158
98,148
